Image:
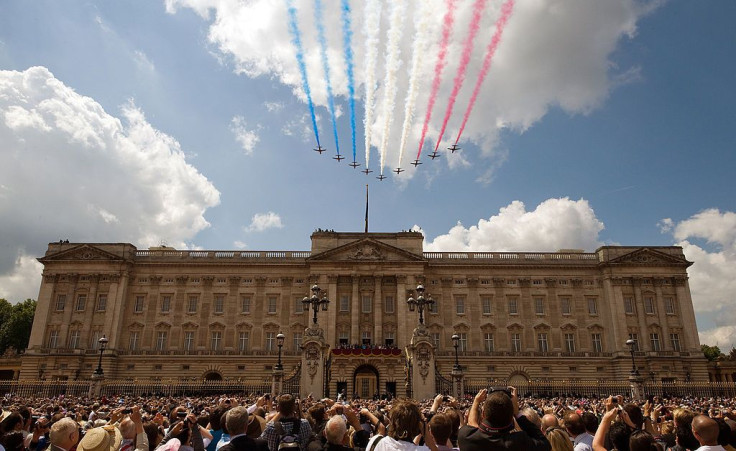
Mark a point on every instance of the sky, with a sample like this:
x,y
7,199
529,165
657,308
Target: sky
x,y
187,122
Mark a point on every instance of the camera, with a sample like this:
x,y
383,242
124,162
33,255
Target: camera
x,y
501,389
181,414
445,398
127,411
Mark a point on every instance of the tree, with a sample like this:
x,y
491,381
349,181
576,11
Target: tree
x,y
711,353
15,324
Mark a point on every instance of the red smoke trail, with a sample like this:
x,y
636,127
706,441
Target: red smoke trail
x,y
464,60
506,10
446,29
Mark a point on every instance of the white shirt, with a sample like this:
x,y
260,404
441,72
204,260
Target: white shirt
x,y
389,444
711,448
583,442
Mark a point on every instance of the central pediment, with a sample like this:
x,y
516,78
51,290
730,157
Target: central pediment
x,y
366,250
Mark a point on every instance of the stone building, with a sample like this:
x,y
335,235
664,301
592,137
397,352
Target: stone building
x,y
216,314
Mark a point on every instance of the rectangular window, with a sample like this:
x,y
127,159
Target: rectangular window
x,y
343,339
298,306
245,304
188,341
138,307
592,306
463,342
460,305
297,341
215,340
390,305
513,306
161,338
344,303
486,303
94,342
542,342
565,306
570,342
436,340
367,305
434,307
595,339
243,341
165,304
669,306
649,305
272,301
654,339
516,342
101,303
60,302
81,302
53,339
539,306
675,342
388,338
74,339
192,307
270,341
488,341
629,305
219,303
133,341
365,337
635,337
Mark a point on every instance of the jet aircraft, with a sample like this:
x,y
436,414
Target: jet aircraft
x,y
354,164
434,155
416,162
381,177
319,149
398,170
338,157
453,148
366,171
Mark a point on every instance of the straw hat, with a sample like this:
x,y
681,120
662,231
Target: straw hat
x,y
106,438
4,414
256,426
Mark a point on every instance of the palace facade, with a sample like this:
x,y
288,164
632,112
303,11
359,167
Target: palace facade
x,y
187,315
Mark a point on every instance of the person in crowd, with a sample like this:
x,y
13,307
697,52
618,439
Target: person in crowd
x,y
287,419
336,434
440,426
494,428
684,438
706,431
406,428
64,435
236,421
573,423
558,439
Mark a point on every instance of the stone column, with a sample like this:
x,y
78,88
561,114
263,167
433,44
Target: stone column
x,y
421,355
378,311
314,354
637,387
277,382
332,310
355,312
95,387
458,379
402,312
45,304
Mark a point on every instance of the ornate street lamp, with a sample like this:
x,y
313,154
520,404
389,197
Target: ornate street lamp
x,y
103,344
420,302
280,343
456,343
631,344
318,298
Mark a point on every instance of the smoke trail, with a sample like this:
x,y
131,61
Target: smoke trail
x,y
347,35
447,22
478,8
506,11
398,8
421,42
371,27
326,67
296,39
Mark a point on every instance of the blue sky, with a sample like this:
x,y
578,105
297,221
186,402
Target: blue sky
x,y
184,121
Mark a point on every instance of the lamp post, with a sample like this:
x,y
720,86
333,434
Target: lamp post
x,y
631,344
103,344
456,343
280,343
318,298
420,302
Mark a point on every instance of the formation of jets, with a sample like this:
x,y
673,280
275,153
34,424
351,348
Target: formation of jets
x,y
382,177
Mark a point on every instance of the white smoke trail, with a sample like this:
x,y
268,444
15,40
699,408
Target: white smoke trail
x,y
371,28
419,49
398,9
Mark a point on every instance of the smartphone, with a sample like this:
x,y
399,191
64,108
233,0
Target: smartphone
x,y
127,411
614,400
445,398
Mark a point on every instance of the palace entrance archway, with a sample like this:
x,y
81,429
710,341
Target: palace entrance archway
x,y
365,381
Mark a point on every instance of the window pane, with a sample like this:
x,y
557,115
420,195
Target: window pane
x,y
272,304
486,301
219,304
243,340
565,306
60,302
539,306
367,304
596,340
138,308
165,304
513,307
390,304
669,306
81,301
649,305
489,345
245,307
344,303
460,305
101,303
193,304
629,305
592,306
516,342
298,306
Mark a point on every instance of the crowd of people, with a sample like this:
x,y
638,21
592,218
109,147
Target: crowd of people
x,y
495,419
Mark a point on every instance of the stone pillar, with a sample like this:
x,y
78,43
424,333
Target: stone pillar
x,y
637,387
458,379
277,382
95,387
355,312
314,354
421,355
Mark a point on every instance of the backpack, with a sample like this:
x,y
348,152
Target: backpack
x,y
288,440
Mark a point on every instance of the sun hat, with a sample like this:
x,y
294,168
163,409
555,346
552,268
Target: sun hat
x,y
106,438
256,426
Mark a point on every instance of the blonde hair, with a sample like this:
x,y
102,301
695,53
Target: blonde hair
x,y
558,439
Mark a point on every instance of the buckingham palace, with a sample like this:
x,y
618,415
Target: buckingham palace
x,y
217,315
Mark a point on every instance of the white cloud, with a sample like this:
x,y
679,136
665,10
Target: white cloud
x,y
71,170
239,244
143,62
273,107
23,280
264,221
554,224
712,284
554,53
248,139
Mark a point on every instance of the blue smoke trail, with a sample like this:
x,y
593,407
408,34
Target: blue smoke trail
x,y
326,66
296,39
347,34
